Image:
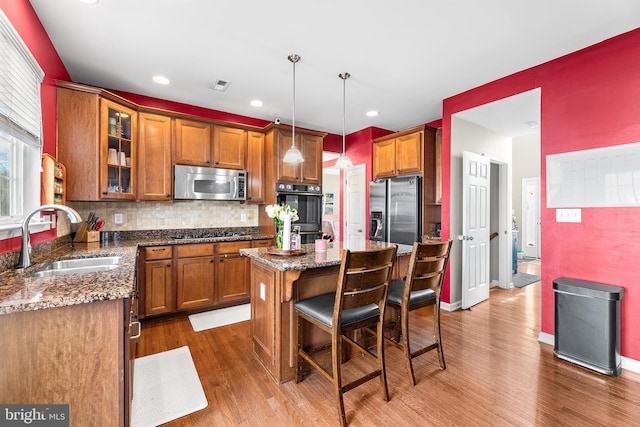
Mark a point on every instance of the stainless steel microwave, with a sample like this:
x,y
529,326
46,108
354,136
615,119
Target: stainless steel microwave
x,y
199,183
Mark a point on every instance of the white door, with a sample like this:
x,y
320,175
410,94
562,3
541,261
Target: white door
x,y
354,207
475,228
530,234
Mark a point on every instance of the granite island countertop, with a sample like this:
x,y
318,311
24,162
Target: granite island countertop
x,y
19,291
312,259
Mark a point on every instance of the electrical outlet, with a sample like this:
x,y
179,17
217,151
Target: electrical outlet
x,y
117,218
568,215
243,217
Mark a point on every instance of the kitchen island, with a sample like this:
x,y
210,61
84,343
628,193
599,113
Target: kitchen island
x,y
279,281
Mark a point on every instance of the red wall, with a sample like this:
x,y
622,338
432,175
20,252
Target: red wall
x,y
27,24
590,99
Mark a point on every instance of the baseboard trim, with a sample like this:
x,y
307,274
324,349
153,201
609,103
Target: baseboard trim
x,y
450,307
627,363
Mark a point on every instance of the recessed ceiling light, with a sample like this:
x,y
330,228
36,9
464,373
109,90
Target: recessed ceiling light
x,y
372,113
90,1
161,80
256,103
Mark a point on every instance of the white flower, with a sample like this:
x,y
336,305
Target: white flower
x,y
279,212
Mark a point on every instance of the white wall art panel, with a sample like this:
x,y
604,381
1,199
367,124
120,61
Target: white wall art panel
x,y
600,177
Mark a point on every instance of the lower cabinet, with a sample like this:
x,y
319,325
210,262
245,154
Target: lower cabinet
x,y
194,277
157,286
233,272
80,355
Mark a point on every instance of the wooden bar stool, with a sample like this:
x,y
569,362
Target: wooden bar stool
x,y
421,288
358,303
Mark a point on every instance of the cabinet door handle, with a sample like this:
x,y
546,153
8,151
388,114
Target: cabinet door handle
x,y
168,195
104,193
168,265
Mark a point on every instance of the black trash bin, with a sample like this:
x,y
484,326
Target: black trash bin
x,y
587,324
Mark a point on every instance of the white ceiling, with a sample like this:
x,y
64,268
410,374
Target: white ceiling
x,y
404,57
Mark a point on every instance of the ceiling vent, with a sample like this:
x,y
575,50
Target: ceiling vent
x,y
221,85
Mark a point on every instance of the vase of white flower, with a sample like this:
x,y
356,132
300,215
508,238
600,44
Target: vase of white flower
x,y
278,213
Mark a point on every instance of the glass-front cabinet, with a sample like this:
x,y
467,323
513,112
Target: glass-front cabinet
x,y
117,151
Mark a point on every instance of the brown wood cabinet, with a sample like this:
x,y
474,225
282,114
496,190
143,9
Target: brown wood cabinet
x,y
192,144
262,243
154,157
195,276
309,144
158,289
78,355
398,154
232,283
96,136
118,151
229,147
255,167
204,144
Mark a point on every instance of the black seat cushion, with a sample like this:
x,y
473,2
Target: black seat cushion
x,y
396,290
320,308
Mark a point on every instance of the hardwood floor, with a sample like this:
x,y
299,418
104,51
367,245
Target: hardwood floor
x,y
498,374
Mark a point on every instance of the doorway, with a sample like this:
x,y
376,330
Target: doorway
x,y
490,129
531,218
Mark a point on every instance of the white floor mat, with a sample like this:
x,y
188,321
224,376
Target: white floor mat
x,y
220,317
165,387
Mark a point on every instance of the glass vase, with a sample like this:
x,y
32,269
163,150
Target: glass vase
x,y
279,236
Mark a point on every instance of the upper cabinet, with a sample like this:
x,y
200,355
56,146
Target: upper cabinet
x,y
97,142
398,154
154,157
118,146
255,167
192,145
229,146
204,144
310,145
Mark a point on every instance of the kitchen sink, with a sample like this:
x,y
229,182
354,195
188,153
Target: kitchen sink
x,y
78,266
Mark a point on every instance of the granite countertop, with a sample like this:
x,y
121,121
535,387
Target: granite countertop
x,y
312,259
21,292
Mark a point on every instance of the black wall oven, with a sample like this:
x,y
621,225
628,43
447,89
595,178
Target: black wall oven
x,y
307,200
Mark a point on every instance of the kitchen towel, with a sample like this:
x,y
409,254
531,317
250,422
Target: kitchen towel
x,y
220,317
165,387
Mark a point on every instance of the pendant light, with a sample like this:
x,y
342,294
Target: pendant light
x,y
344,161
293,155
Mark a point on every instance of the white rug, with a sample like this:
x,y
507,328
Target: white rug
x,y
220,317
165,387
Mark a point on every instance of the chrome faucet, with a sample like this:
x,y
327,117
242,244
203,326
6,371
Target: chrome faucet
x,y
25,252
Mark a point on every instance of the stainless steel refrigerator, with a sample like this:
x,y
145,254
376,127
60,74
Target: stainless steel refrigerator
x,y
395,209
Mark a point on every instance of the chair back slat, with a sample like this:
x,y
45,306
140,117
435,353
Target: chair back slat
x,y
427,265
364,278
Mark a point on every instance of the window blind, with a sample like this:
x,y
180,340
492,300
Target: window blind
x,y
20,79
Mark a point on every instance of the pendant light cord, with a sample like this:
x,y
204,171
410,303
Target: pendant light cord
x,y
294,58
344,77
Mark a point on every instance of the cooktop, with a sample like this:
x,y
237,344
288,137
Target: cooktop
x,y
207,235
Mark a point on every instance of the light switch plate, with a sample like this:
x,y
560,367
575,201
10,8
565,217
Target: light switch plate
x,y
568,215
117,218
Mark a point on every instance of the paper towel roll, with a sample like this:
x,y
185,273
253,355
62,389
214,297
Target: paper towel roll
x,y
286,233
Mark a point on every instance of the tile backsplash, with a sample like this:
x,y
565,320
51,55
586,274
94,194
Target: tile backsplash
x,y
170,215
